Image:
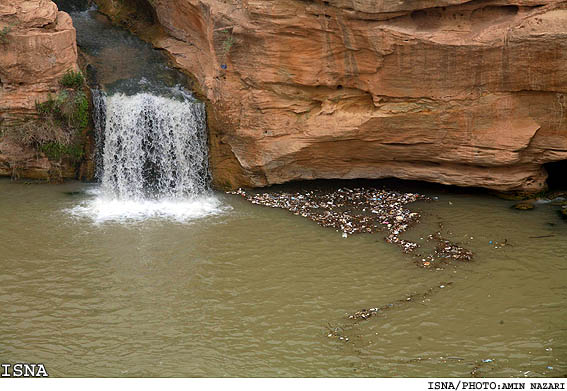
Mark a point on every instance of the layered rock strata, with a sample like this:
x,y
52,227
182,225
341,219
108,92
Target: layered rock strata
x,y
37,47
461,92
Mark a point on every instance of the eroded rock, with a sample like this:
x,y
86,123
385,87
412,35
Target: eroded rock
x,y
461,92
524,205
38,48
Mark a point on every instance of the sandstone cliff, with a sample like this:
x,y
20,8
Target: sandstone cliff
x,y
463,92
37,45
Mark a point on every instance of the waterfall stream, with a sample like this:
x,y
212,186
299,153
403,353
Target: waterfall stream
x,y
151,158
151,147
151,152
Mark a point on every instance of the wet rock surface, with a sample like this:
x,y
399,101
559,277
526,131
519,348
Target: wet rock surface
x,y
524,205
363,210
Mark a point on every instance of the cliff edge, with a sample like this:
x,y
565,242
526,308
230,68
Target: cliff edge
x,y
461,92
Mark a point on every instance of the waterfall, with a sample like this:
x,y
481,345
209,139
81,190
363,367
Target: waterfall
x,y
151,158
99,119
150,134
154,147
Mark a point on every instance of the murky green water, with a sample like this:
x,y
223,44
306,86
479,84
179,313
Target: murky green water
x,y
250,291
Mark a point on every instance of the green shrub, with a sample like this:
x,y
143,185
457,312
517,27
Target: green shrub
x,y
4,33
69,109
228,42
56,151
58,133
52,106
72,79
81,111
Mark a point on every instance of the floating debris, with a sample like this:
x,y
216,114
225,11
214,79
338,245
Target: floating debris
x,y
445,249
362,210
349,331
337,332
358,210
367,313
350,211
480,365
501,244
524,205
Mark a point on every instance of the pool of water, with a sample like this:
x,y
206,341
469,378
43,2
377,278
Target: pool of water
x,y
245,290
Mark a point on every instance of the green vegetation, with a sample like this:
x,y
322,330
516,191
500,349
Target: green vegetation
x,y
4,34
56,151
58,132
72,79
228,42
69,109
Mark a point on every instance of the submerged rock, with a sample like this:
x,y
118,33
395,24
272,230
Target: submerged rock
x,y
524,205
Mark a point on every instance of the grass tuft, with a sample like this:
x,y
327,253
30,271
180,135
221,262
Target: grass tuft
x,y
72,79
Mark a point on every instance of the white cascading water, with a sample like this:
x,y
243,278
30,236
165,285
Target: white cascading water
x,y
154,148
152,158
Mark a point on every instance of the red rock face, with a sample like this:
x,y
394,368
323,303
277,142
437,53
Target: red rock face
x,y
38,49
469,93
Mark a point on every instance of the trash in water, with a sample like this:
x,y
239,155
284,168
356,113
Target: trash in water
x,y
362,210
367,313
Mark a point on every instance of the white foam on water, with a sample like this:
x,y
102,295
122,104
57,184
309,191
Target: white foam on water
x,y
154,147
548,201
101,209
152,160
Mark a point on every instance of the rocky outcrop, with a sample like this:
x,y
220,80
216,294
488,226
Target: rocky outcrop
x,y
462,92
38,46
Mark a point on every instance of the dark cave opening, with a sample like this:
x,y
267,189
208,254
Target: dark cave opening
x,y
557,171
